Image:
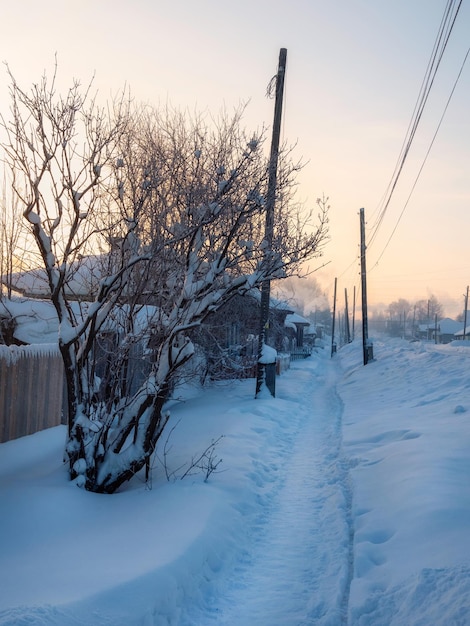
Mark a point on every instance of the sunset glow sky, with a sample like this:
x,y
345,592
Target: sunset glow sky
x,y
354,71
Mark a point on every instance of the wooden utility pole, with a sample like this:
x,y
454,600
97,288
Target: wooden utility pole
x,y
346,315
354,313
465,314
269,227
367,347
429,321
333,344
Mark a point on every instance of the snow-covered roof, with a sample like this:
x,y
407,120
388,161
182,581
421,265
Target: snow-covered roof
x,y
279,305
449,326
295,318
425,327
446,326
37,322
83,280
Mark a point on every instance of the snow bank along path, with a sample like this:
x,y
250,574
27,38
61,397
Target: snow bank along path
x,y
269,540
406,433
296,565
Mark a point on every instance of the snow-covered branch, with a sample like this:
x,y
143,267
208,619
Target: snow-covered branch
x,y
169,212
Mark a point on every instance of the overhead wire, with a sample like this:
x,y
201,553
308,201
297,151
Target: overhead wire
x,y
424,160
416,117
445,29
414,114
442,38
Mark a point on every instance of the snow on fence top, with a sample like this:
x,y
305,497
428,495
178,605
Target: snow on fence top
x,y
11,354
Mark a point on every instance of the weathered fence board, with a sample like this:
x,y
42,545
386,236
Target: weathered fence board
x,y
300,353
31,389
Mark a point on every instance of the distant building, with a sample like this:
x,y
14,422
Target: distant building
x,y
447,329
299,326
460,333
442,332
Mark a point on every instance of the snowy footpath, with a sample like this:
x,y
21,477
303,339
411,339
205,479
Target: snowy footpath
x,y
345,500
296,567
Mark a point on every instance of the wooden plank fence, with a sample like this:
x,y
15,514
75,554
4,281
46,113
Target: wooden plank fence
x,y
31,389
300,353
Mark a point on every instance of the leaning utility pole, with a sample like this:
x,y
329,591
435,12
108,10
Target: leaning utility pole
x,y
269,227
366,346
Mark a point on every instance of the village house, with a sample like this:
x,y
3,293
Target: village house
x,y
462,335
441,332
226,342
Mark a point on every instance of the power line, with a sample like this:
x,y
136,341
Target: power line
x,y
414,114
423,95
446,26
425,159
445,29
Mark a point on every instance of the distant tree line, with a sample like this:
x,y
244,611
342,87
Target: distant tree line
x,y
402,318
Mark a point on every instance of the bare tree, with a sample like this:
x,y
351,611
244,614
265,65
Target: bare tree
x,y
176,207
11,229
399,314
426,310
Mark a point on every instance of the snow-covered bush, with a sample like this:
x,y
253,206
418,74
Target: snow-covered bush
x,y
174,209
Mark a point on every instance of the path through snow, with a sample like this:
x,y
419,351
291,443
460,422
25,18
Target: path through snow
x,y
268,540
296,568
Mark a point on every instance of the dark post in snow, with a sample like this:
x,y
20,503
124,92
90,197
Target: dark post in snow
x,y
354,313
465,315
429,320
346,316
333,343
366,346
269,228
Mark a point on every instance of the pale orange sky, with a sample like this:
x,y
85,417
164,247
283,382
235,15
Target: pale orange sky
x,y
353,76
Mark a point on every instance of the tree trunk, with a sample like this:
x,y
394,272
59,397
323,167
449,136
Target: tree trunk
x,y
102,457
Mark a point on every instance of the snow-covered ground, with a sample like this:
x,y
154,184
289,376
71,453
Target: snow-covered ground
x,y
344,500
